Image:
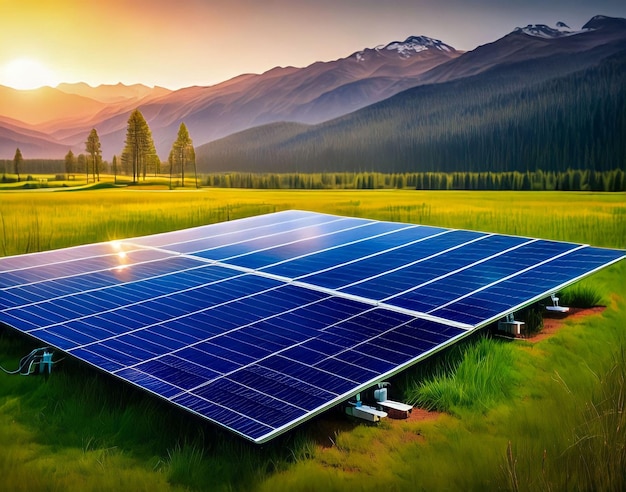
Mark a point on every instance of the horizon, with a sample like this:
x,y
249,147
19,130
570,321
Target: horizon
x,y
233,34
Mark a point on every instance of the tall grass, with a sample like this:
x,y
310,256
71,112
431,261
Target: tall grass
x,y
34,221
591,453
582,295
483,375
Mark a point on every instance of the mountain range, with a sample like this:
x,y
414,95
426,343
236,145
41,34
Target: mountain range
x,y
235,123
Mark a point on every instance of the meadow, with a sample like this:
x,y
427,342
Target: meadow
x,y
545,415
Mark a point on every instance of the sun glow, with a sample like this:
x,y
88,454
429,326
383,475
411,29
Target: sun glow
x,y
27,73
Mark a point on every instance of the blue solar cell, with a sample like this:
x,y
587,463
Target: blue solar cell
x,y
388,350
231,419
97,358
319,242
440,291
190,369
251,402
150,382
204,243
358,271
358,374
378,362
80,266
110,354
73,337
183,378
259,252
427,270
330,381
255,353
519,289
55,340
283,387
170,341
316,262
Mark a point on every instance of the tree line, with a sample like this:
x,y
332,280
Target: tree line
x,y
138,158
570,180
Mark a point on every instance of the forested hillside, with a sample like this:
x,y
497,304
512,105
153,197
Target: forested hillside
x,y
512,118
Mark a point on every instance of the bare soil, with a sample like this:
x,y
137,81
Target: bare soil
x,y
553,323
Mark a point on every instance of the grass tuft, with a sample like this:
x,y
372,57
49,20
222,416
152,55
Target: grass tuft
x,y
484,376
581,295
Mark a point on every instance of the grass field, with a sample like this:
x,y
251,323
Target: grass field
x,y
34,221
558,423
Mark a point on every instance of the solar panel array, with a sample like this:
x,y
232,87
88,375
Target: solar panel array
x,y
261,323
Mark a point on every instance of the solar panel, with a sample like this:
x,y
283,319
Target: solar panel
x,y
261,323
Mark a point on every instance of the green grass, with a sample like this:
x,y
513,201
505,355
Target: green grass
x,y
582,295
559,409
35,221
483,375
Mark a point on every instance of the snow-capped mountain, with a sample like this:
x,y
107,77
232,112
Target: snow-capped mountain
x,y
544,31
407,48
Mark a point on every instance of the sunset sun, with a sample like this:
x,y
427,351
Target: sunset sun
x,y
27,73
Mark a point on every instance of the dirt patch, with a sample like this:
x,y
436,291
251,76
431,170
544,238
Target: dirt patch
x,y
420,415
552,323
324,430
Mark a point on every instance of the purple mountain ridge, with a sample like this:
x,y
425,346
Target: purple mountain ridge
x,y
48,122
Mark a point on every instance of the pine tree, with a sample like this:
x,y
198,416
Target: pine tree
x,y
70,163
114,168
92,145
18,160
139,146
82,165
183,154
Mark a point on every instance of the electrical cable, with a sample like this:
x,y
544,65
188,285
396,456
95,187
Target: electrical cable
x,y
34,357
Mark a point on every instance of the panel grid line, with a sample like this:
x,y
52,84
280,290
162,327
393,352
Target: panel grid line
x,y
294,242
413,263
279,352
331,220
138,303
372,255
103,288
458,270
342,245
565,253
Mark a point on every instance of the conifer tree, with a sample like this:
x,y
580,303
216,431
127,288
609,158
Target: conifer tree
x,y
18,160
139,146
92,145
114,168
70,163
183,154
82,165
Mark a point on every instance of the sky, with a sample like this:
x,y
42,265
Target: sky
x,y
180,43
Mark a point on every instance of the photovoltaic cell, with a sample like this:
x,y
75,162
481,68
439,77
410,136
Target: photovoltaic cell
x,y
259,324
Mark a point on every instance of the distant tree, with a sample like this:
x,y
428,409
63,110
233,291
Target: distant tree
x,y
93,147
114,168
81,165
183,154
139,147
170,162
18,160
70,163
